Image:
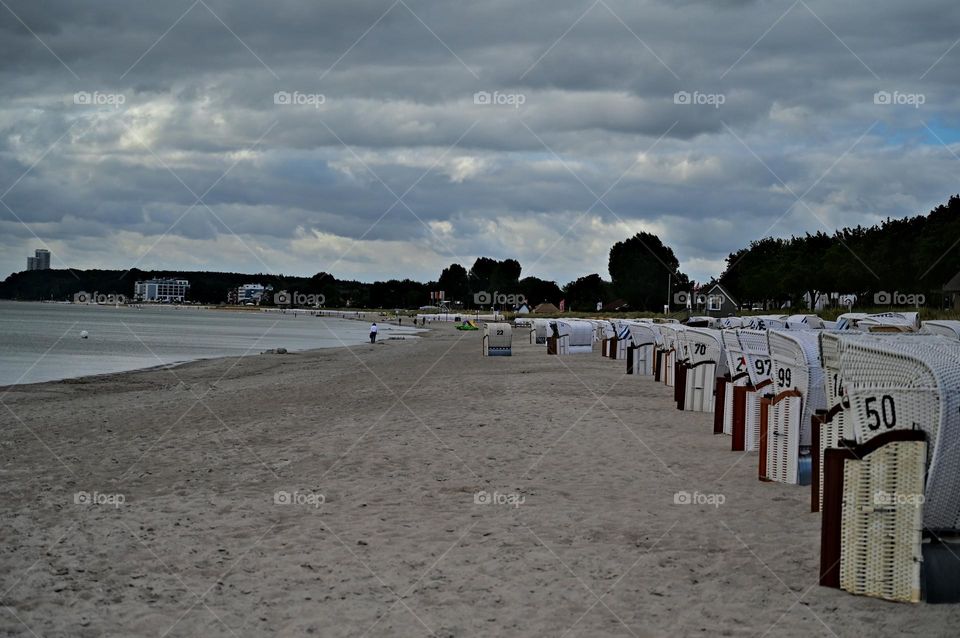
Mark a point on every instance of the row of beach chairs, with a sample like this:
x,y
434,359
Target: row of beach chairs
x,y
865,411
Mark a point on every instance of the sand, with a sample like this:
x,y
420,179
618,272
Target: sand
x,y
377,454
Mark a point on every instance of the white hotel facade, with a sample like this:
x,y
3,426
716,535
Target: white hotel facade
x,y
162,290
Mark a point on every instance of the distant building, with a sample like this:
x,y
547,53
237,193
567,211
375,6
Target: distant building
x,y
720,303
162,290
40,260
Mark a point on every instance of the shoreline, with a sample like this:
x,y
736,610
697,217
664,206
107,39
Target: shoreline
x,y
114,352
174,365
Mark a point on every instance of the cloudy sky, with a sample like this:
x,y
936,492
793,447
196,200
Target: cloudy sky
x,y
380,138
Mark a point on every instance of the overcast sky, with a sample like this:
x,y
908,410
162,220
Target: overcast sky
x,y
357,138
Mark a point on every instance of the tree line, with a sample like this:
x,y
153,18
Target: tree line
x,y
915,255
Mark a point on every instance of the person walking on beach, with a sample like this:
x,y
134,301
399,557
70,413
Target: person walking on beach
x,y
373,332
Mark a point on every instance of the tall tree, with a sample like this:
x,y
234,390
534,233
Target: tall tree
x,y
538,291
639,268
584,293
455,283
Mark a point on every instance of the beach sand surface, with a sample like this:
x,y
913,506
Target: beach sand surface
x,y
378,455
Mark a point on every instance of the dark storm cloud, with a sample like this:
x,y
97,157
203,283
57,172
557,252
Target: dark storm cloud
x,y
183,105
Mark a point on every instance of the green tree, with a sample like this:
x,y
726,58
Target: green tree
x,y
583,294
639,268
455,283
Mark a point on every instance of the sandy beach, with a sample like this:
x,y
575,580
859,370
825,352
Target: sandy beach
x,y
407,488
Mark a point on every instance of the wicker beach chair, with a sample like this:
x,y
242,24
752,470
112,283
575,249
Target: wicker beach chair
x,y
617,344
670,355
737,376
755,348
831,422
541,330
497,340
574,336
910,382
642,344
706,363
797,379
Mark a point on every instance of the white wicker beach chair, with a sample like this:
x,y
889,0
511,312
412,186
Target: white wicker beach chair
x,y
575,336
759,368
832,429
622,329
541,329
911,382
643,340
670,352
797,376
497,340
706,363
737,369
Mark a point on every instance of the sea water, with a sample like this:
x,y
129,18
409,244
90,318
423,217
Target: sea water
x,y
42,341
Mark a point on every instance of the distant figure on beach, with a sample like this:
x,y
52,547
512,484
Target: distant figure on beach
x,y
373,332
399,321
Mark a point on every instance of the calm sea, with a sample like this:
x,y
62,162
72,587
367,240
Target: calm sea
x,y
41,341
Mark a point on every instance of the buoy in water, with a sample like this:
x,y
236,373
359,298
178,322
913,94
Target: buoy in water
x,y
84,334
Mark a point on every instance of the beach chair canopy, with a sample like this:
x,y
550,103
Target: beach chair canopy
x,y
947,328
910,382
756,350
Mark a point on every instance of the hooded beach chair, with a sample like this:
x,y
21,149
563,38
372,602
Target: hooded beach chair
x,y
736,376
706,363
619,351
747,421
669,357
541,330
497,340
903,476
571,336
910,382
798,392
643,339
